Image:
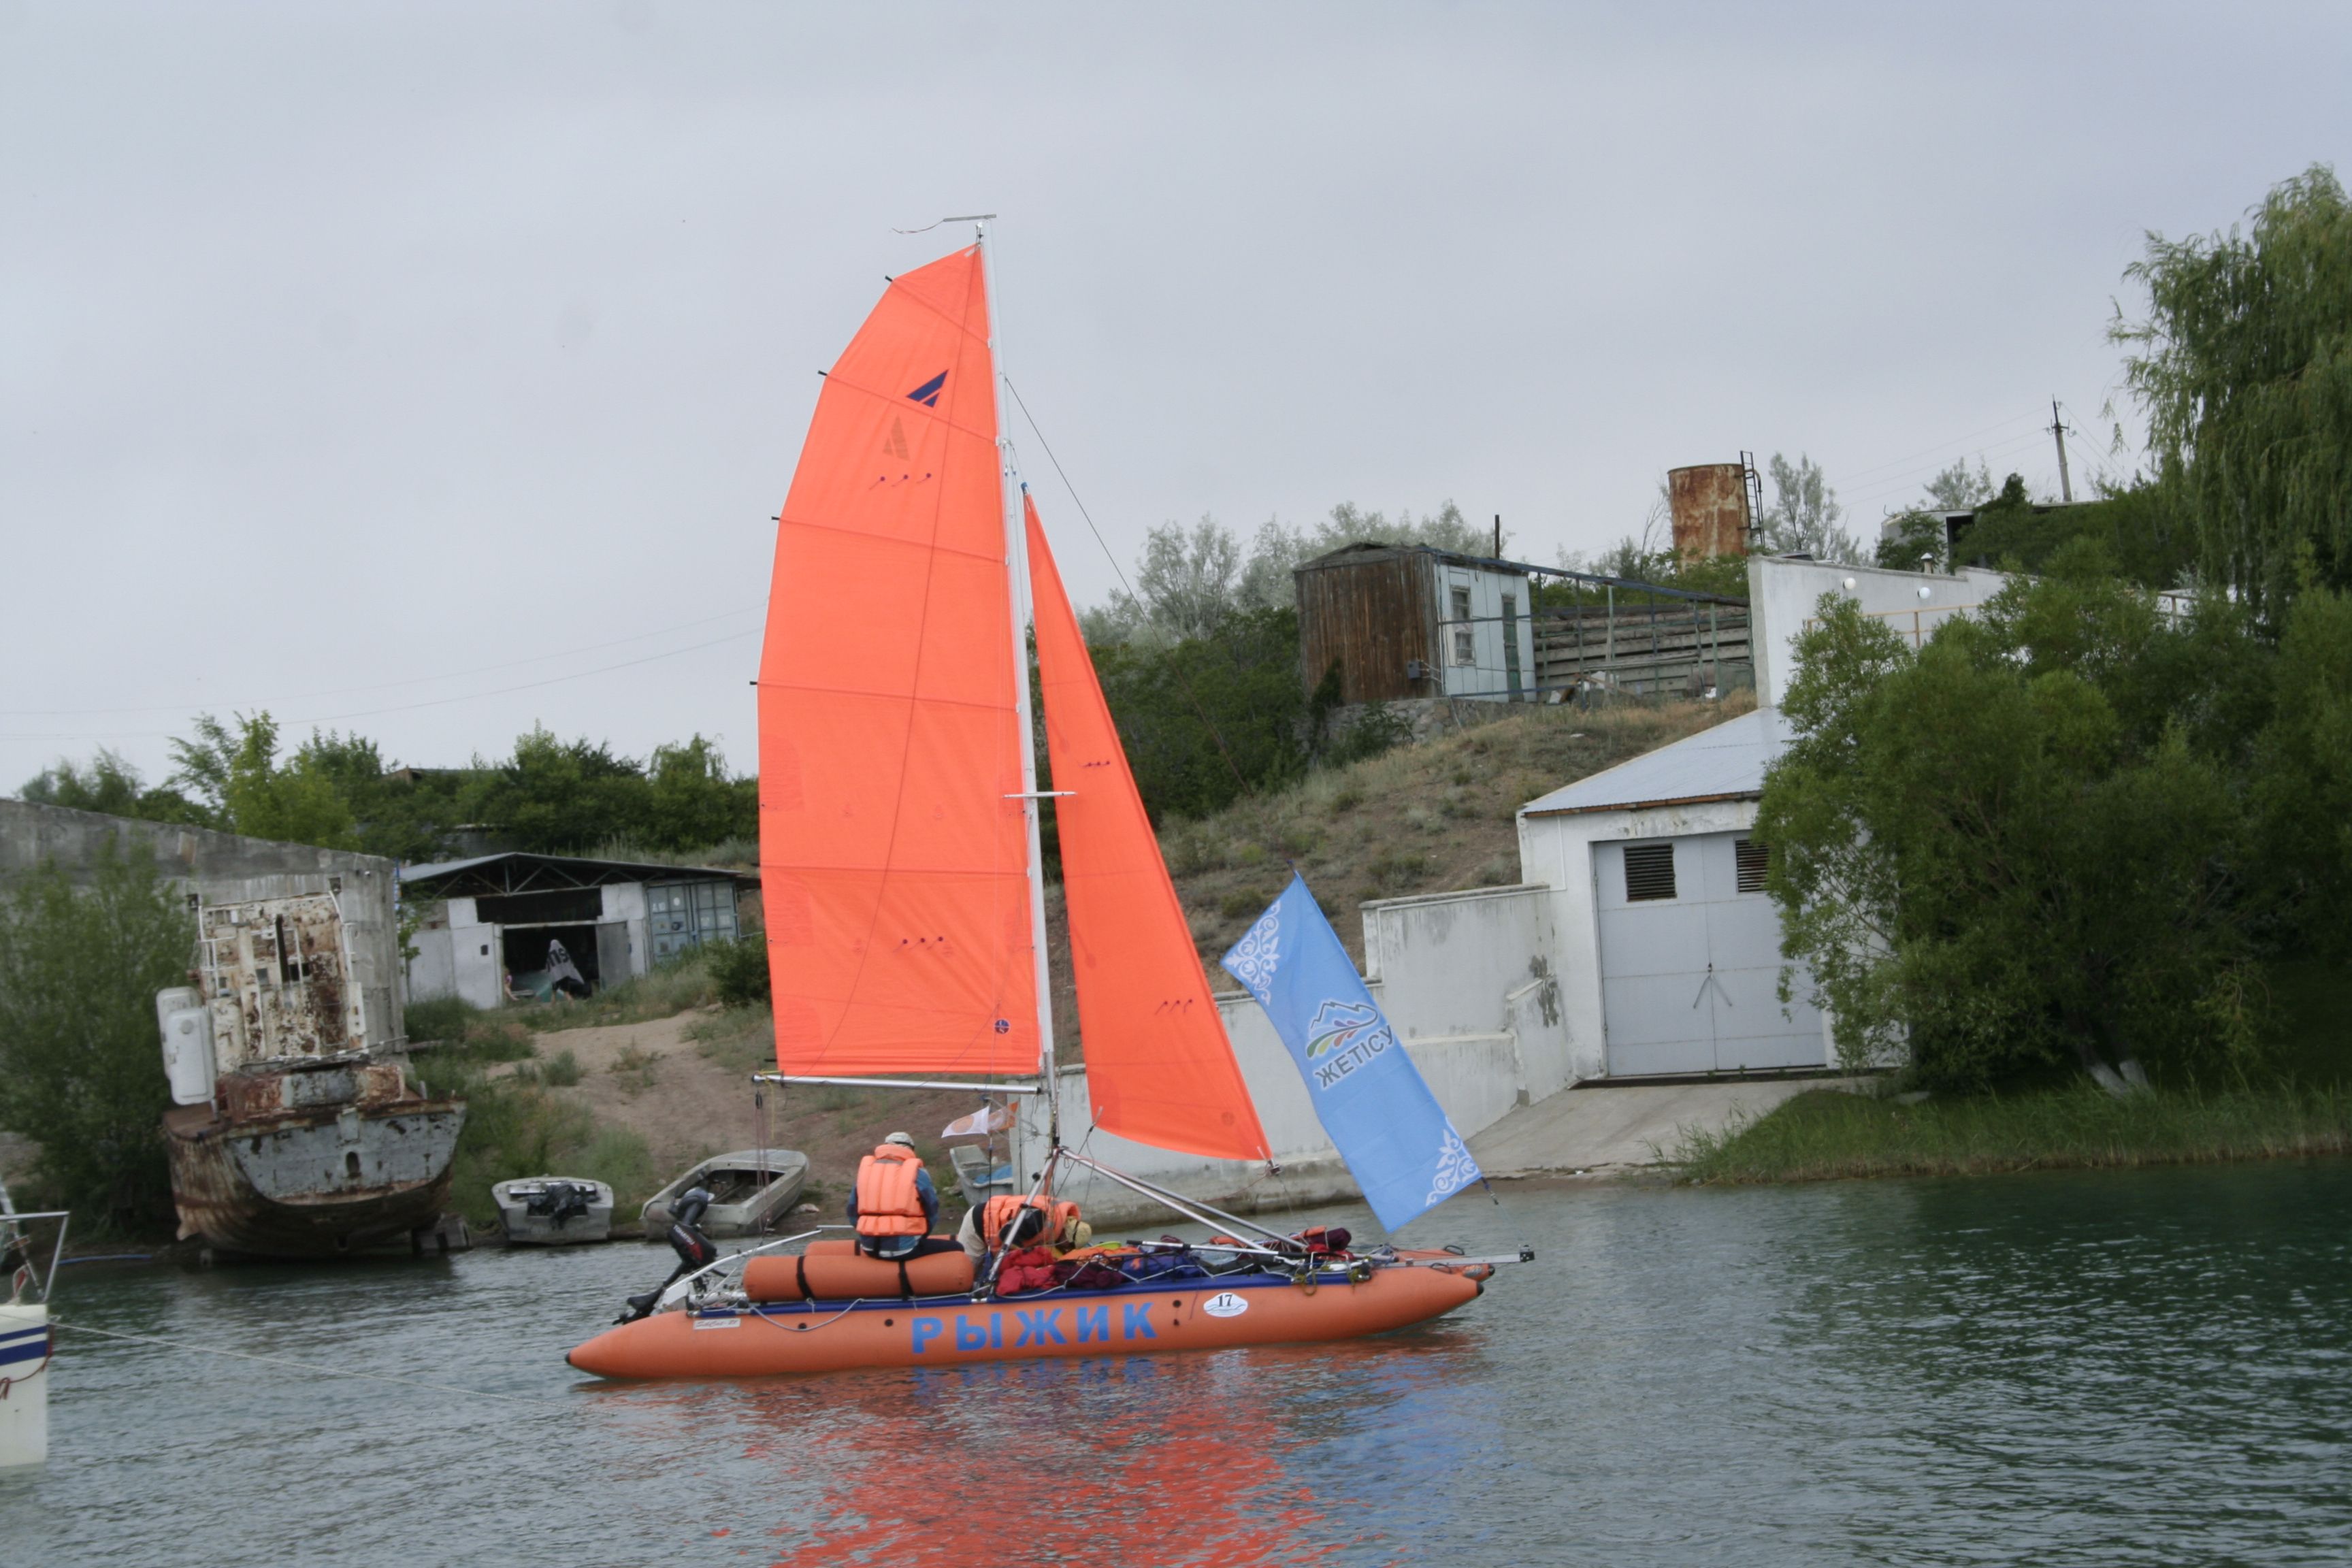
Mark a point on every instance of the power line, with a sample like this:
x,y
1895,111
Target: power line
x,y
387,685
1945,446
1909,479
429,702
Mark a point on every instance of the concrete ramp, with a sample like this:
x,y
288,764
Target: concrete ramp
x,y
1609,1129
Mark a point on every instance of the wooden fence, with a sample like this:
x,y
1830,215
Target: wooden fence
x,y
1669,649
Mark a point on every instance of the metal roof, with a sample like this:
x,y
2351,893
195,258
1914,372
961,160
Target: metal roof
x,y
1364,553
514,871
1726,762
1369,550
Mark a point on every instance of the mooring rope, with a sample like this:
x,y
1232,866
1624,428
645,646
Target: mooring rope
x,y
297,1365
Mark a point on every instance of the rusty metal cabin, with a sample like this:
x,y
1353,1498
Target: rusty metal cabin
x,y
1410,620
487,924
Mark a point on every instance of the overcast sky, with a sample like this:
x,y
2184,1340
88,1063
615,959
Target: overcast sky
x,y
405,368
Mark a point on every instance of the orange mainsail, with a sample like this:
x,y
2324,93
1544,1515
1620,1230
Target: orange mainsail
x,y
894,867
1159,1067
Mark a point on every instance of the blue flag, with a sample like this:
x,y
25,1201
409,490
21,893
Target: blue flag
x,y
1395,1137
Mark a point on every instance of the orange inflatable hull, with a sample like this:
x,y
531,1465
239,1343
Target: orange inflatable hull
x,y
766,1340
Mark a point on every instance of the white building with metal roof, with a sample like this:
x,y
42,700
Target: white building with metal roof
x,y
1669,947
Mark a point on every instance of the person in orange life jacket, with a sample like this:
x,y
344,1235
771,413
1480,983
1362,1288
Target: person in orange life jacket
x,y
894,1204
1003,1221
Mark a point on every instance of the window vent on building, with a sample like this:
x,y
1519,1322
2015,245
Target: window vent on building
x,y
1751,865
1649,871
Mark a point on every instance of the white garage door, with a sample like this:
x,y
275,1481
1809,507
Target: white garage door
x,y
1690,960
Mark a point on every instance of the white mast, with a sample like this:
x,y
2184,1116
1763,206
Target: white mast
x,y
1017,566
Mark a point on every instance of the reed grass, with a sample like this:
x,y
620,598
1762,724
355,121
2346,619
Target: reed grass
x,y
1826,1134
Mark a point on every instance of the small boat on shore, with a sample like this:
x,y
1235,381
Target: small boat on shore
x,y
553,1210
752,1191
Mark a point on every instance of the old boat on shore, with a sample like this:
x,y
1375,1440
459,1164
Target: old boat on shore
x,y
553,1210
751,1191
289,1136
902,877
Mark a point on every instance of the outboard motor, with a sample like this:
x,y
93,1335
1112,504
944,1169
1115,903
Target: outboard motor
x,y
694,1250
560,1201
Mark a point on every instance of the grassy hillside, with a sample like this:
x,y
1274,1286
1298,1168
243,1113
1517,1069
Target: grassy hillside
x,y
1429,818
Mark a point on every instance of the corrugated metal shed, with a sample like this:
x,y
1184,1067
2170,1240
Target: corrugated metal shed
x,y
1726,762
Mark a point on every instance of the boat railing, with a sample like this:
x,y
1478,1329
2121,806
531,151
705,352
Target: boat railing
x,y
23,1271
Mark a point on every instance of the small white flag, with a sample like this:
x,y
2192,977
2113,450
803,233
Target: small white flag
x,y
988,1119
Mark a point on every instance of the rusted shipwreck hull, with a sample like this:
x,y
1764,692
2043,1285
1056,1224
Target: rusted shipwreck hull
x,y
318,1162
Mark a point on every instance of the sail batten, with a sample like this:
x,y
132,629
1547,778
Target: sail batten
x,y
1160,1070
896,873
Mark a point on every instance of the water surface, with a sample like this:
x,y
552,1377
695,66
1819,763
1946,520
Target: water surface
x,y
2111,1368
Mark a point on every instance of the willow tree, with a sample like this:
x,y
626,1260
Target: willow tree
x,y
2243,366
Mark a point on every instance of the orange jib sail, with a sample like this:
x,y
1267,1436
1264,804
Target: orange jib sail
x,y
1159,1067
894,867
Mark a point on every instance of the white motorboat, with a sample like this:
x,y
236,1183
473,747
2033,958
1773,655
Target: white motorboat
x,y
752,1191
27,1339
554,1210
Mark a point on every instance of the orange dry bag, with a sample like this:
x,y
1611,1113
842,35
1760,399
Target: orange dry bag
x,y
887,1202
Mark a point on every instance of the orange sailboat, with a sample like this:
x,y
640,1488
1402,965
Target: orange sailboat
x,y
905,905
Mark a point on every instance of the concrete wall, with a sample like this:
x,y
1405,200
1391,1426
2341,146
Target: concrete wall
x,y
1784,595
226,867
1465,984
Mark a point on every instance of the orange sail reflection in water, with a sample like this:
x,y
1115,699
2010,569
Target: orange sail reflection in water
x,y
894,866
1165,1464
1159,1067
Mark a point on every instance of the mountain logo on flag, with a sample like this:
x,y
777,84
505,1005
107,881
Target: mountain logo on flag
x,y
1338,1025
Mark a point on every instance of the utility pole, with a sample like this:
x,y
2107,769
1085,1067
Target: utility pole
x,y
1498,536
2058,429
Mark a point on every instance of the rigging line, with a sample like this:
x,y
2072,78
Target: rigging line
x,y
297,1365
1182,679
385,685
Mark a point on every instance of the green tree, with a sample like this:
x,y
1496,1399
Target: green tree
x,y
107,784
2243,366
1803,514
557,796
81,1067
2301,772
693,802
2015,848
1188,581
1209,719
239,776
1959,487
